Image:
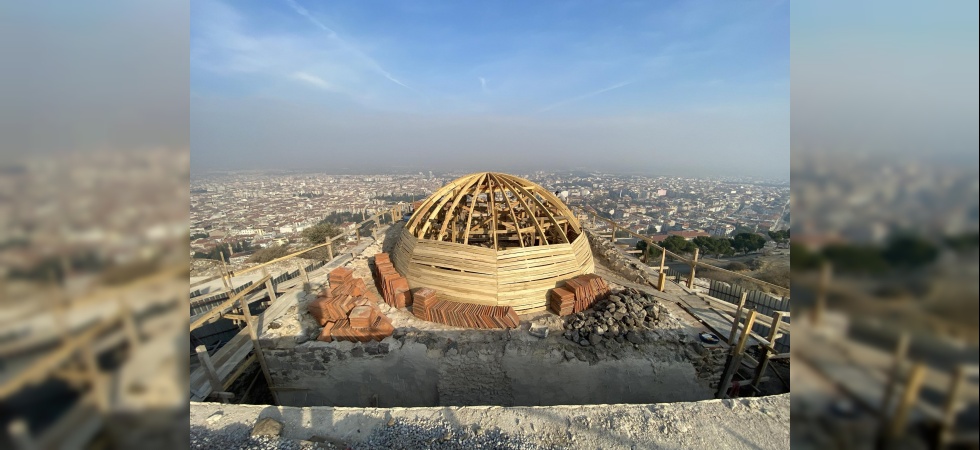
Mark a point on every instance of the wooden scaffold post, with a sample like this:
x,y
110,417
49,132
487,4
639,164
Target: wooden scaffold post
x,y
694,265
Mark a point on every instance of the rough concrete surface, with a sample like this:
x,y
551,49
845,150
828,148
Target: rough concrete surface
x,y
750,423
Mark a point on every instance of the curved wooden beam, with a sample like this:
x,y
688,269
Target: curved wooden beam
x,y
469,216
510,207
442,202
449,214
534,220
562,208
427,223
493,211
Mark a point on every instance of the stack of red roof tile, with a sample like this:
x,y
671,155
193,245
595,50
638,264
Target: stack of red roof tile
x,y
345,292
378,329
340,276
392,286
578,294
428,307
347,311
361,316
422,300
561,301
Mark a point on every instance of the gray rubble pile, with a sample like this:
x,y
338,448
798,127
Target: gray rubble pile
x,y
613,257
622,317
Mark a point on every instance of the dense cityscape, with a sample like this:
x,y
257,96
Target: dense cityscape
x,y
267,209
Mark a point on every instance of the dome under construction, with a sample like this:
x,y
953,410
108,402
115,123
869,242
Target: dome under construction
x,y
492,239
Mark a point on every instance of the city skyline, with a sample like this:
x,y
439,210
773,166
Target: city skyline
x,y
688,89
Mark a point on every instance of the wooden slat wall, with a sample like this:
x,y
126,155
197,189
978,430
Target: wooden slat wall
x,y
517,277
583,254
458,272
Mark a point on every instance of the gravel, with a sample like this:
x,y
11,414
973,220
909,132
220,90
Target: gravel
x,y
760,423
413,434
397,434
238,438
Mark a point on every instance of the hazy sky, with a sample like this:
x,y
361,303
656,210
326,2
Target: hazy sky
x,y
91,75
889,77
669,87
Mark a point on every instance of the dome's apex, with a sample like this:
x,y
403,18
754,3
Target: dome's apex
x,y
494,210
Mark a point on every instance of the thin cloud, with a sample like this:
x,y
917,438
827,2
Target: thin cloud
x,y
374,64
313,80
585,96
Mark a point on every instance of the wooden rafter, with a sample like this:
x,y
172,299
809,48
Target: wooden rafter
x,y
510,207
452,208
515,187
469,216
548,217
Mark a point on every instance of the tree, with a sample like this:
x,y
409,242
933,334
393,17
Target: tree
x,y
678,244
648,250
862,259
748,242
780,236
910,251
320,232
963,243
710,245
801,258
268,254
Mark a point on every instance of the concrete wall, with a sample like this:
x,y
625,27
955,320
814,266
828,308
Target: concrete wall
x,y
506,368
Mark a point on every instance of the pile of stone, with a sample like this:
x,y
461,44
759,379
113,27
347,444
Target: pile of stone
x,y
392,286
621,317
347,311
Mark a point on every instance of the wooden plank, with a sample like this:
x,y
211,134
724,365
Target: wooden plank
x,y
253,334
737,352
909,397
218,310
947,424
226,360
766,353
898,356
729,309
47,363
289,256
205,360
469,215
737,317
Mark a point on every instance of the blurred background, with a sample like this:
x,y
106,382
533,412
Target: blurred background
x,y
94,174
884,224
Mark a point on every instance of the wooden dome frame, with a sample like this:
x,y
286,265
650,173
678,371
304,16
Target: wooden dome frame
x,y
523,214
492,239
